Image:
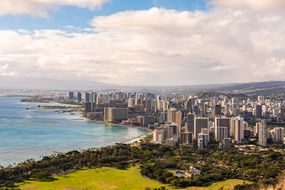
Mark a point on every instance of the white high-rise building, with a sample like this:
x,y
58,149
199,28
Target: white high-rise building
x,y
159,135
203,138
171,115
262,133
237,129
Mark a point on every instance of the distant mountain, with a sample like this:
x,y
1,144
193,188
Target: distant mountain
x,y
253,86
269,89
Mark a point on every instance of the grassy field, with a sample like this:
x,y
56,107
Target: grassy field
x,y
225,185
110,179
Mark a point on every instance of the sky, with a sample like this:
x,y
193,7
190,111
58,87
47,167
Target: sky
x,y
89,43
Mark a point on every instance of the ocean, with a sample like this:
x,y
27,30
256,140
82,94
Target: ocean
x,y
33,133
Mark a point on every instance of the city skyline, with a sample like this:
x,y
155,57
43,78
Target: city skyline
x,y
147,43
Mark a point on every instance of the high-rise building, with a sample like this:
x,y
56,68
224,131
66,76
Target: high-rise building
x,y
258,111
171,115
148,120
115,115
237,129
196,109
93,101
221,133
71,95
87,97
217,111
190,122
166,134
222,125
262,133
203,138
160,135
162,105
204,108
87,107
148,105
178,119
131,102
79,97
172,130
278,134
200,123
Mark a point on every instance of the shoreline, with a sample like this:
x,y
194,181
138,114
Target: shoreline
x,y
39,152
118,125
137,139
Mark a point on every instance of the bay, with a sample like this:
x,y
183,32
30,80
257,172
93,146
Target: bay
x,y
33,133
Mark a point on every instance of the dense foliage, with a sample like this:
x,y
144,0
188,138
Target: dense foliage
x,y
159,162
215,165
56,164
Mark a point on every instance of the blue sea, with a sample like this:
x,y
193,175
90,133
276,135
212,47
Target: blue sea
x,y
33,133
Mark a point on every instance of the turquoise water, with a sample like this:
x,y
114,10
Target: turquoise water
x,y
33,133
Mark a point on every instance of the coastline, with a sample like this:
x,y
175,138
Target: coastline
x,y
137,139
21,149
130,141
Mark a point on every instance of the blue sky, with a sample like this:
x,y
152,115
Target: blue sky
x,y
61,17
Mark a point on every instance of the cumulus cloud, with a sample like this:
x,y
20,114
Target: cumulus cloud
x,y
153,47
252,4
40,7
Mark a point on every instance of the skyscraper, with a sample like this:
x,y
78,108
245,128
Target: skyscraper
x,y
262,133
190,122
93,101
237,129
87,97
216,111
71,95
278,134
221,133
171,115
79,97
222,128
258,111
200,123
178,119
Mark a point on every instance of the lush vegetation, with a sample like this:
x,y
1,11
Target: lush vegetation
x,y
215,165
97,179
156,162
111,178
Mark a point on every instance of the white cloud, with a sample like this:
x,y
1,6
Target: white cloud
x,y
253,4
273,68
153,47
40,7
4,71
